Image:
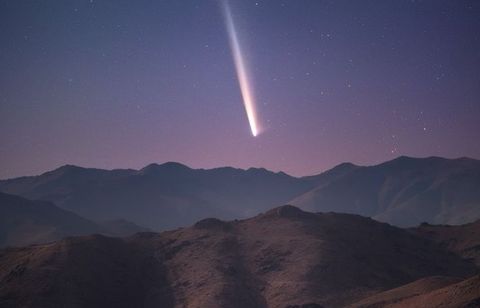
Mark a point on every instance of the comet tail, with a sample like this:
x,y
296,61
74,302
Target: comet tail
x,y
242,72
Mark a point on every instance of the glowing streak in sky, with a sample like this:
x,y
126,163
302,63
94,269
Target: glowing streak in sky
x,y
242,72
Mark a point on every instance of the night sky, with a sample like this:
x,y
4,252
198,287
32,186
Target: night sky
x,y
121,84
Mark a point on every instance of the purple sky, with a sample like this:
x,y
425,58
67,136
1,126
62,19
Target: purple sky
x,y
121,84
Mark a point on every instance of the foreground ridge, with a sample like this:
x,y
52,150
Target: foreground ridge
x,y
282,257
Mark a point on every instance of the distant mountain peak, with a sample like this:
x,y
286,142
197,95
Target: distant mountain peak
x,y
344,166
263,171
411,158
258,170
63,170
404,161
168,166
68,167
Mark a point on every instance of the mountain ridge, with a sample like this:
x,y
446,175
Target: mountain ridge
x,y
25,222
404,191
402,157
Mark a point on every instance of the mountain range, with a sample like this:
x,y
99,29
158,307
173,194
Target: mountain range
x,y
404,192
404,233
284,257
25,222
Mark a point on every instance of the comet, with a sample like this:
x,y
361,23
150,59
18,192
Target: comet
x,y
241,70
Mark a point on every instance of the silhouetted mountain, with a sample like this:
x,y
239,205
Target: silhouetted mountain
x,y
330,175
405,191
284,257
160,196
24,222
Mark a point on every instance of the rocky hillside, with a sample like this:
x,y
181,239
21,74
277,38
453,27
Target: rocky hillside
x,y
282,257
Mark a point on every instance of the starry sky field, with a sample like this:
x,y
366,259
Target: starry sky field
x,y
121,84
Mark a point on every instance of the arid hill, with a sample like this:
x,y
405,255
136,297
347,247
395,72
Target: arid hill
x,y
431,292
463,240
284,257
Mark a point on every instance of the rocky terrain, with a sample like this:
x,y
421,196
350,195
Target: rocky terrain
x,y
463,240
284,257
431,292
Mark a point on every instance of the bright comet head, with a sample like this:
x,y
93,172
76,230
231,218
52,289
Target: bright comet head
x,y
242,72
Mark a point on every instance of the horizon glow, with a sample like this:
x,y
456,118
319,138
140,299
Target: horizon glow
x,y
242,71
160,84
